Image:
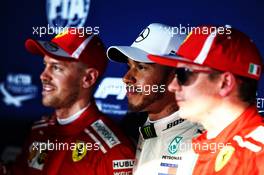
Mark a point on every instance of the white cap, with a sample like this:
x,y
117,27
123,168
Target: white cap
x,y
157,39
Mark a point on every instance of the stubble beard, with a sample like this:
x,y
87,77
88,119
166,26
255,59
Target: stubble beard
x,y
61,100
147,100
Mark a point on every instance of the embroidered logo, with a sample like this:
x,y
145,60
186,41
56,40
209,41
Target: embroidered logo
x,y
174,145
223,157
79,151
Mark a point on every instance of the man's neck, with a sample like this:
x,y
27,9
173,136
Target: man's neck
x,y
165,112
64,113
221,117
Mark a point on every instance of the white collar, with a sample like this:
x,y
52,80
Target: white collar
x,y
73,117
157,127
164,120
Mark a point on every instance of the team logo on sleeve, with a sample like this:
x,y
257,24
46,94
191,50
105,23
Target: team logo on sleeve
x,y
174,145
223,157
79,151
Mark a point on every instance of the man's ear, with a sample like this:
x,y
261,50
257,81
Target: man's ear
x,y
90,77
228,83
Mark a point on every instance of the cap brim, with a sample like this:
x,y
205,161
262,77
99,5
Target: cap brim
x,y
169,60
46,48
121,53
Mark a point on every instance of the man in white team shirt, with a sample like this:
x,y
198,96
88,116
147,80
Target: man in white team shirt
x,y
164,145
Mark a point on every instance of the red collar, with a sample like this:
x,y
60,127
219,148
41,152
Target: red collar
x,y
241,126
90,115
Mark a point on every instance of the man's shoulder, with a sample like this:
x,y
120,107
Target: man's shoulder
x,y
188,130
44,123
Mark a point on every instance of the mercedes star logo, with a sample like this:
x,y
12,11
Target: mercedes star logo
x,y
143,35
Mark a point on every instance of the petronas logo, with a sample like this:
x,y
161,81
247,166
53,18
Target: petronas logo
x,y
174,145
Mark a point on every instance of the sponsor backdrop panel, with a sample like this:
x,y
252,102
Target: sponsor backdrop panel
x,y
118,23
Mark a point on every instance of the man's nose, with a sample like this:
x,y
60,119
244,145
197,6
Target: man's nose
x,y
129,78
174,85
45,75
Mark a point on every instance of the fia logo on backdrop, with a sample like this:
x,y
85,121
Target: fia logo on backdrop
x,y
17,89
67,13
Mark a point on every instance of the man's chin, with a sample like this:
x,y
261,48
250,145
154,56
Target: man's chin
x,y
135,108
48,103
141,103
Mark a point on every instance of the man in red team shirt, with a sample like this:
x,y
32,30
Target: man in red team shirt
x,y
78,139
215,84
